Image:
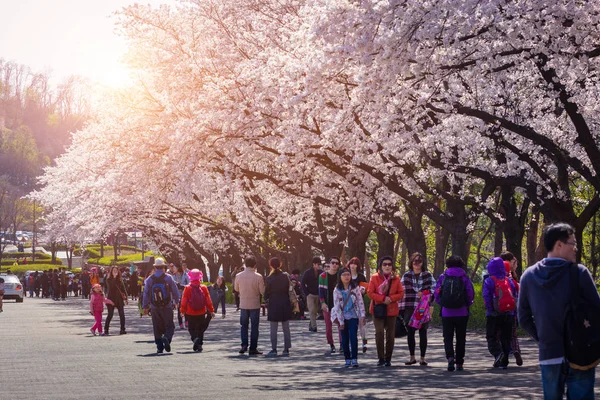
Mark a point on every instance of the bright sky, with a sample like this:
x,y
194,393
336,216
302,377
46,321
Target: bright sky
x,y
66,37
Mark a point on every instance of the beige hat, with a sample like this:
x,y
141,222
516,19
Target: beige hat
x,y
159,262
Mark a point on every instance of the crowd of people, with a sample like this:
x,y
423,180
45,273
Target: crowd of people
x,y
399,306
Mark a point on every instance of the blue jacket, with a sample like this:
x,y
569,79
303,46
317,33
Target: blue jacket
x,y
168,281
496,269
543,300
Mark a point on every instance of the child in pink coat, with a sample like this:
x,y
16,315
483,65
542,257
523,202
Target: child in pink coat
x,y
97,301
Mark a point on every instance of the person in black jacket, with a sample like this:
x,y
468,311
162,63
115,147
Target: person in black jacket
x,y
310,286
277,297
117,293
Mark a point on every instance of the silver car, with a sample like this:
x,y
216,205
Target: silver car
x,y
13,289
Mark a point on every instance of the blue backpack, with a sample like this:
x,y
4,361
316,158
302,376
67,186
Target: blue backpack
x,y
160,292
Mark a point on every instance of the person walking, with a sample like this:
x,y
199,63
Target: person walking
x,y
251,286
327,283
348,313
45,282
133,285
161,296
545,294
385,291
85,283
197,307
117,293
359,280
219,289
510,265
499,294
277,297
310,287
416,281
236,294
64,283
454,292
97,301
181,280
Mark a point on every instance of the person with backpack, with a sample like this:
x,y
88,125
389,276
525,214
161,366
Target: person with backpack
x,y
385,291
327,283
197,307
454,292
417,281
499,296
161,296
510,265
31,284
549,289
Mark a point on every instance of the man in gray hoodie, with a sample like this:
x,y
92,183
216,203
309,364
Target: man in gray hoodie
x,y
543,300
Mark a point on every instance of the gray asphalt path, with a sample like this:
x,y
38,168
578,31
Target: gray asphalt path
x,y
47,352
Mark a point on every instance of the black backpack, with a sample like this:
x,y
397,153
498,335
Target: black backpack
x,y
453,292
160,292
582,328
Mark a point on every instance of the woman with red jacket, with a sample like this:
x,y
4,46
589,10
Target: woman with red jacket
x,y
386,289
197,307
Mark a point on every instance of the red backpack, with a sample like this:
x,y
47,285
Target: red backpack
x,y
197,299
504,301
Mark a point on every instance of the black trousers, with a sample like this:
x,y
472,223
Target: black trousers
x,y
458,325
500,323
197,325
111,311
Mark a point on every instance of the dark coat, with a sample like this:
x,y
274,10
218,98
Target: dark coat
x,y
115,290
277,296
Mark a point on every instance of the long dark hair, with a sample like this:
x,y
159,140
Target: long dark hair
x,y
355,261
275,265
340,284
110,273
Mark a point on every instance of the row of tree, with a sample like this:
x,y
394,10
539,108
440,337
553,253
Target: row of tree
x,y
36,121
289,128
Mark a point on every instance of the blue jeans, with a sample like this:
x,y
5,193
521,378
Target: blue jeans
x,y
246,317
350,338
580,384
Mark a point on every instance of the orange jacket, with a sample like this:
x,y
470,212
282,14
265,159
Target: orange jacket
x,y
396,293
185,299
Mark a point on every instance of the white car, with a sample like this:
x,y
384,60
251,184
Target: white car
x,y
13,289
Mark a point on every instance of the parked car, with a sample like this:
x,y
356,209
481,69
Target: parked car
x,y
13,289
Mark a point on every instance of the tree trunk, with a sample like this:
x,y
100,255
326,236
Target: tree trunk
x,y
358,234
385,242
442,236
498,240
53,251
593,255
458,225
101,248
403,257
532,236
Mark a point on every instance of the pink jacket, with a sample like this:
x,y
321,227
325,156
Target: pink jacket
x,y
97,301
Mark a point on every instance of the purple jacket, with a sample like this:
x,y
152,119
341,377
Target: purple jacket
x,y
495,268
455,312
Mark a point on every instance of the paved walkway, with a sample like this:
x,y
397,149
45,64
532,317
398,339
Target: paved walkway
x,y
47,352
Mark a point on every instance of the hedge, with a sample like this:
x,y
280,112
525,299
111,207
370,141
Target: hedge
x,y
12,256
121,260
29,262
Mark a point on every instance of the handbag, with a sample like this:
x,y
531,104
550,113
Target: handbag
x,y
380,310
401,330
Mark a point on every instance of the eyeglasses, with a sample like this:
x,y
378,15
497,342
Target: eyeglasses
x,y
417,260
574,244
334,262
386,264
